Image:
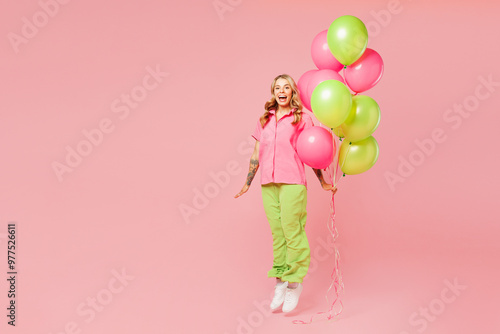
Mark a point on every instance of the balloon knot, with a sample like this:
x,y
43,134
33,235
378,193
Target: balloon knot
x,y
343,175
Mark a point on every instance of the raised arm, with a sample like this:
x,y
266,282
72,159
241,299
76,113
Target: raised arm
x,y
254,166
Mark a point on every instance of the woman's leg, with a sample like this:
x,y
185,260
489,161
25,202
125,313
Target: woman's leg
x,y
272,207
293,199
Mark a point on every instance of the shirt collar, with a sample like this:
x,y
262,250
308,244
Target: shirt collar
x,y
272,111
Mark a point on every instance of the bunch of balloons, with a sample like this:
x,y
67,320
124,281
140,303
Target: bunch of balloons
x,y
328,94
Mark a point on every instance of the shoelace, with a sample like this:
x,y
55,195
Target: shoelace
x,y
278,291
289,295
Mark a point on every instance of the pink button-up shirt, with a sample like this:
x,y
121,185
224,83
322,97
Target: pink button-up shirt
x,y
278,159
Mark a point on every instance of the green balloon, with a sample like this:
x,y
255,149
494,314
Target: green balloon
x,y
358,157
347,39
363,119
331,102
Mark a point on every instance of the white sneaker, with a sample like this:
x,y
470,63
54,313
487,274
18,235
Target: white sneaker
x,y
292,298
279,295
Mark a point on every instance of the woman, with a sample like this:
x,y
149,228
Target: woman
x,y
284,188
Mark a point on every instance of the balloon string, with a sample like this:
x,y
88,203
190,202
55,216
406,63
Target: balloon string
x,y
336,166
335,162
346,154
336,276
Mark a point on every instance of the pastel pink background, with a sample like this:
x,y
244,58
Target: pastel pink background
x,y
120,208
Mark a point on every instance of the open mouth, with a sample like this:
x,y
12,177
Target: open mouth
x,y
282,98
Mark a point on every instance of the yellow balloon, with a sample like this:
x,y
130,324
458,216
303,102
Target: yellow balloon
x,y
363,118
358,157
347,39
331,103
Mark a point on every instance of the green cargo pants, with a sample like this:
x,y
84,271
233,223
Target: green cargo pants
x,y
285,207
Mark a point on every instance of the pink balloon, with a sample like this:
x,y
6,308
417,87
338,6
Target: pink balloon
x,y
365,72
315,147
302,87
321,54
320,76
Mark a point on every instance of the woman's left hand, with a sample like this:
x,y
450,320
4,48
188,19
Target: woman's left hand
x,y
328,186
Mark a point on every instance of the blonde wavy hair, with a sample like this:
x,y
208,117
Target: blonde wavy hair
x,y
295,101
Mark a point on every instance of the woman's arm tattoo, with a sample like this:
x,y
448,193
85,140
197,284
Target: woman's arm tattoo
x,y
254,165
319,175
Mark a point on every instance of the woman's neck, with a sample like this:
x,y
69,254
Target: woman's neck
x,y
283,110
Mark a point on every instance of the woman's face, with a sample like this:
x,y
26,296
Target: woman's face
x,y
283,92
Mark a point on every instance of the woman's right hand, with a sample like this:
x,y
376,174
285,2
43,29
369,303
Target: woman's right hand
x,y
328,186
243,190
